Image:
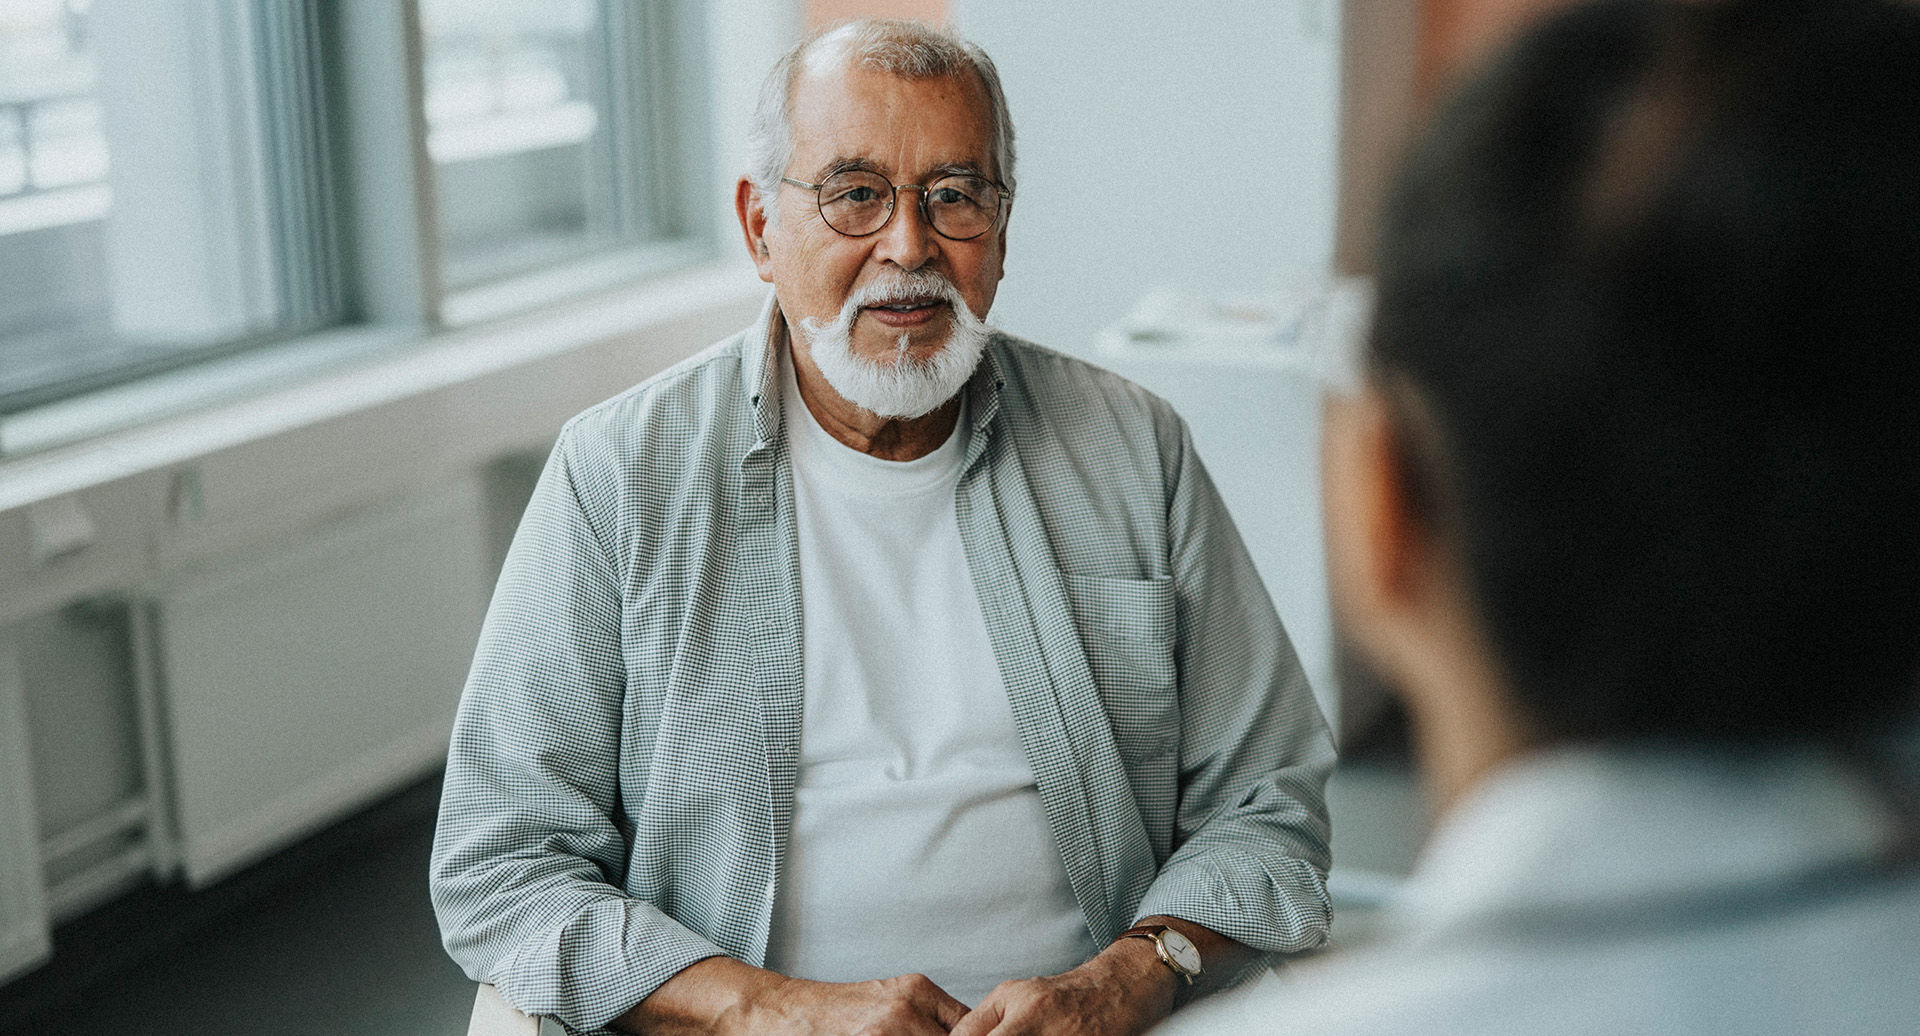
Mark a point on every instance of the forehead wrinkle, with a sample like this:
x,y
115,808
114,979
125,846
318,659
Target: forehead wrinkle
x,y
843,113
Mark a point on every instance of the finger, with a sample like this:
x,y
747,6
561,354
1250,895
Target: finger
x,y
929,1001
946,1010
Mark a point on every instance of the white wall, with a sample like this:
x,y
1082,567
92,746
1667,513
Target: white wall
x,y
1190,144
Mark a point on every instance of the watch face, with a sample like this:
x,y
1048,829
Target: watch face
x,y
1182,951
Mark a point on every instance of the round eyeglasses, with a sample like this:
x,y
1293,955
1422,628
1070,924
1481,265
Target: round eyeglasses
x,y
858,203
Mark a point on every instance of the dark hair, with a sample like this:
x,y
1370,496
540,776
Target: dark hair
x,y
1649,302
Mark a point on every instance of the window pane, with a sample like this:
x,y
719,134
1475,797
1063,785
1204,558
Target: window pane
x,y
53,189
162,195
518,99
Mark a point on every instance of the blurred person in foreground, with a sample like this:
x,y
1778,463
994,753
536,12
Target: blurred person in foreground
x,y
1627,510
873,671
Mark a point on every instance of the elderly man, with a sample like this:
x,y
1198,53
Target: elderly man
x,y
1627,511
850,674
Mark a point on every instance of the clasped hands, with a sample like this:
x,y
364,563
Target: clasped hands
x,y
1122,991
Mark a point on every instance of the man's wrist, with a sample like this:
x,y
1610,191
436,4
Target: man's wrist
x,y
717,994
1137,965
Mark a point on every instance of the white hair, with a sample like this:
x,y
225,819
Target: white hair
x,y
900,386
903,48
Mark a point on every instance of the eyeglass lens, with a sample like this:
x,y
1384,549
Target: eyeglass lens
x,y
858,203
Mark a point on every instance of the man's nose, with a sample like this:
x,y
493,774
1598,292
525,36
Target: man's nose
x,y
907,239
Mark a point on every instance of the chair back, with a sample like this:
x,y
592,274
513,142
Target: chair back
x,y
493,1016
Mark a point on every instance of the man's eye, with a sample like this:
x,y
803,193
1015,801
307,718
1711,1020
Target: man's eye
x,y
949,196
859,195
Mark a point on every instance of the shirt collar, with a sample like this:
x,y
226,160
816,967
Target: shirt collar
x,y
1592,827
983,401
761,370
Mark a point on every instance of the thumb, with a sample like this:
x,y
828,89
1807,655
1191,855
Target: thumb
x,y
948,1011
980,1021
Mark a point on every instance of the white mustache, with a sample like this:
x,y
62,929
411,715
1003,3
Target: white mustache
x,y
905,286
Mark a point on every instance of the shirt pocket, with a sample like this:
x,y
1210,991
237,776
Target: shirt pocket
x,y
1127,627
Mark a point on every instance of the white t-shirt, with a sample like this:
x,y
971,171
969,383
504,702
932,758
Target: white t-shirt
x,y
918,842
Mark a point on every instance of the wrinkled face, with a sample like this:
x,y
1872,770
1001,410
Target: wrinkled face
x,y
912,131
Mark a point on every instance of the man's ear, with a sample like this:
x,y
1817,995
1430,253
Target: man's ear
x,y
1381,557
1005,221
747,204
1401,599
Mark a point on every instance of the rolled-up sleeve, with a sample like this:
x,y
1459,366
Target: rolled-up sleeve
x,y
1251,836
528,860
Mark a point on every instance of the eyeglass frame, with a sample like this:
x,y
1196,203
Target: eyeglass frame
x,y
893,202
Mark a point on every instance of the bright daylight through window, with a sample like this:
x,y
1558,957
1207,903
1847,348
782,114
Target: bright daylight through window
x,y
54,193
181,180
164,189
543,126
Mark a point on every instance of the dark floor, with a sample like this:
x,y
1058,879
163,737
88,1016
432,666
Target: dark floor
x,y
334,937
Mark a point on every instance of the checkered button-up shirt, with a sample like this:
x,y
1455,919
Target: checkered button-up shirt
x,y
622,772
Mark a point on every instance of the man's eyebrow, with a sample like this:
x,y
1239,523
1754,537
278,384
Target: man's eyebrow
x,y
850,164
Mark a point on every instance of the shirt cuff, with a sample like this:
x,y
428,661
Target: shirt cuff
x,y
1275,906
600,963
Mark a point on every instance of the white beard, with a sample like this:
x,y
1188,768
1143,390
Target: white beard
x,y
903,387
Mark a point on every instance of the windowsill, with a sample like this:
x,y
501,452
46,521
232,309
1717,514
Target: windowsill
x,y
54,207
467,307
197,386
170,419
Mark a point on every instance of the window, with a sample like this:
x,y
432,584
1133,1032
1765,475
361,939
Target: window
x,y
546,126
171,192
181,180
53,188
514,95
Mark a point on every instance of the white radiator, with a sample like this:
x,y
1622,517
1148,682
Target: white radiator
x,y
291,688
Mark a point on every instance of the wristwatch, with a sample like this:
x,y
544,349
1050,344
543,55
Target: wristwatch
x,y
1176,951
